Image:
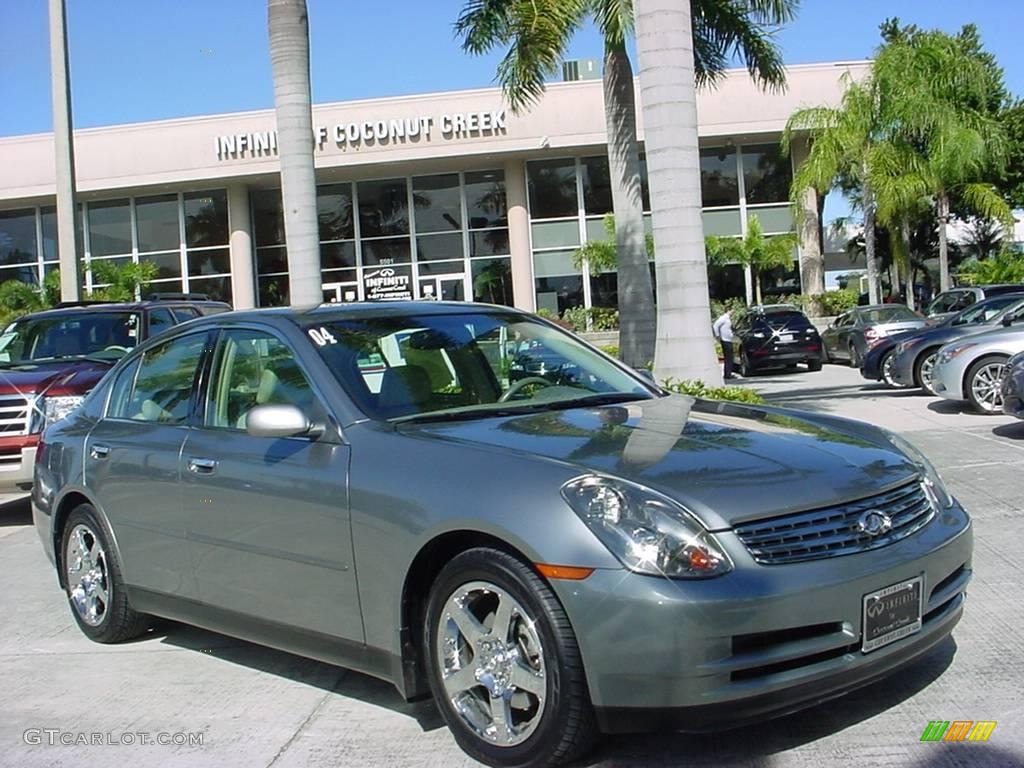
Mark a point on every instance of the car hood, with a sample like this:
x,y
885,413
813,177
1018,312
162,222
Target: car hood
x,y
726,463
58,377
947,333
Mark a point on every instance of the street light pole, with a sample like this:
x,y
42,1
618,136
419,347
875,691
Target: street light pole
x,y
68,240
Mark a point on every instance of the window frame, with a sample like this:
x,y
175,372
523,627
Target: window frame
x,y
149,320
138,359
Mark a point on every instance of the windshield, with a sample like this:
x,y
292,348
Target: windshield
x,y
984,311
436,367
104,335
780,320
894,314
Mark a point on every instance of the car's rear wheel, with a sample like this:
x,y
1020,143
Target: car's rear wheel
x,y
93,582
504,665
888,368
984,384
924,370
814,365
854,355
746,367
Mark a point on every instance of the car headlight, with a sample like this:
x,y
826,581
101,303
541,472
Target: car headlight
x,y
56,408
933,483
648,532
948,353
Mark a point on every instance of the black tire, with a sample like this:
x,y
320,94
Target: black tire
x,y
119,621
567,727
854,355
814,365
919,365
746,368
987,364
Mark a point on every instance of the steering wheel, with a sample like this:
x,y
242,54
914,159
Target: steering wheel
x,y
115,348
516,388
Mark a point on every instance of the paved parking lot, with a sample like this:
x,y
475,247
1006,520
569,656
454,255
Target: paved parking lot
x,y
258,707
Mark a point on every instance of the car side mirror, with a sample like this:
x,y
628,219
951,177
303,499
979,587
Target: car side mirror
x,y
646,374
1007,321
280,421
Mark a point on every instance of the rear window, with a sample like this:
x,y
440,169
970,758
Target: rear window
x,y
894,314
779,320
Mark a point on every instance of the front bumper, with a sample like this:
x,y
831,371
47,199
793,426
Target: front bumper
x,y
948,379
761,640
16,465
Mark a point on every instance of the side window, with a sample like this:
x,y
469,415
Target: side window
x,y
963,301
163,386
844,321
117,406
160,320
253,368
185,313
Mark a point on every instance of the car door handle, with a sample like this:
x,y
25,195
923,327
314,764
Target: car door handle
x,y
202,466
99,451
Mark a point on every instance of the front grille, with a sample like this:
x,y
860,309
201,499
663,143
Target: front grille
x,y
14,414
832,531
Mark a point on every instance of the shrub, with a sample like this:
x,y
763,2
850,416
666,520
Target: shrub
x,y
737,306
1004,267
593,319
696,388
610,349
828,303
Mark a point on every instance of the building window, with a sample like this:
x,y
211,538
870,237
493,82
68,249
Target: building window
x,y
492,281
110,228
557,294
766,175
267,216
597,186
156,223
719,184
486,205
552,189
437,203
383,208
206,218
18,237
334,212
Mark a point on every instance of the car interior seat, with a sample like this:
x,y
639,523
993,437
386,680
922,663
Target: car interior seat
x,y
404,390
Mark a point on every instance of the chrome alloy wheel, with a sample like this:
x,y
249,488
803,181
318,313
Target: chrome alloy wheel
x,y
986,386
928,371
492,663
87,575
889,370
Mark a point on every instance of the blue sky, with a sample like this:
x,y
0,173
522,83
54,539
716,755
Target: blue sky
x,y
135,61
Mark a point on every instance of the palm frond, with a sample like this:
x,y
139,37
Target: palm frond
x,y
614,20
725,28
986,201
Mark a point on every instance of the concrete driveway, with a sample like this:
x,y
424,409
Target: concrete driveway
x,y
258,707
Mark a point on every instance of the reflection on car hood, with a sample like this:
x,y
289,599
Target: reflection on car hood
x,y
55,377
726,463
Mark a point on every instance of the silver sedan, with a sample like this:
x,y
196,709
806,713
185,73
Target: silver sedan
x,y
971,369
548,556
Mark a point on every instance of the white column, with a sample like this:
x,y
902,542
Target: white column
x,y
519,235
243,279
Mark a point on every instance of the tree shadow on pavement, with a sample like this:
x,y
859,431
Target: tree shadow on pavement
x,y
17,512
1014,430
327,677
754,746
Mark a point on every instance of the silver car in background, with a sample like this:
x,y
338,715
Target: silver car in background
x,y
854,332
548,556
971,369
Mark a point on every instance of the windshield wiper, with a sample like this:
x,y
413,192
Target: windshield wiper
x,y
600,398
469,414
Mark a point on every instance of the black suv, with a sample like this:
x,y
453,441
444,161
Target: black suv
x,y
49,360
775,336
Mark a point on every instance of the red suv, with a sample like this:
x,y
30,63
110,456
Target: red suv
x,y
50,360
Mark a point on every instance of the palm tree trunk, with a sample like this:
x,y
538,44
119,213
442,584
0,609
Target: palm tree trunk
x,y
755,273
874,294
288,25
637,320
942,203
812,259
908,260
664,37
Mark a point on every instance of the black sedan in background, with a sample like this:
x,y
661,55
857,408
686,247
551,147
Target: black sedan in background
x,y
1013,387
775,336
879,362
855,332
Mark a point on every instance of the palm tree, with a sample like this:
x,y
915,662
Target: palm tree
x,y
669,97
762,254
537,34
288,25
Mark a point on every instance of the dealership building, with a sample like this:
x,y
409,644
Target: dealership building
x,y
442,195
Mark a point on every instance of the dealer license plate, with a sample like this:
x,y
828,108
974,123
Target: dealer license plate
x,y
891,614
785,337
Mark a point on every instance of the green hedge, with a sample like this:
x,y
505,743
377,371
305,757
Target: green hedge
x,y
696,388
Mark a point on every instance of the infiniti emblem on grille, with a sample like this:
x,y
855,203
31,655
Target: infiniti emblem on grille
x,y
874,522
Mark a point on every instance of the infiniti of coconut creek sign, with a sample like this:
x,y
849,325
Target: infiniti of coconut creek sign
x,y
408,130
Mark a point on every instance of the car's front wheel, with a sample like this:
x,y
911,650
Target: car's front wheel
x,y
984,384
924,368
93,582
504,665
888,368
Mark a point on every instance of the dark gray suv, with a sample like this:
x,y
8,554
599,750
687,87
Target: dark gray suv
x,y
549,558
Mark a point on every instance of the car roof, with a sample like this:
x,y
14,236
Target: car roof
x,y
359,309
117,306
